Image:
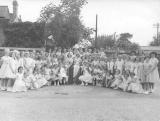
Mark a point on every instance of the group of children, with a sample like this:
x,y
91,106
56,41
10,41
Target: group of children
x,y
21,71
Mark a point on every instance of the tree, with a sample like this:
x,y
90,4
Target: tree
x,y
155,42
134,47
25,34
123,42
65,24
105,41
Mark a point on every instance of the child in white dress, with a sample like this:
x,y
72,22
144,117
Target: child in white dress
x,y
40,80
86,78
6,71
63,78
54,79
125,82
117,79
108,79
135,85
19,85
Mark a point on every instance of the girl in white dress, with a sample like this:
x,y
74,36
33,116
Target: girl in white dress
x,y
40,80
140,71
6,71
54,75
19,85
125,82
134,84
86,78
153,72
63,78
117,79
29,63
14,65
119,64
108,79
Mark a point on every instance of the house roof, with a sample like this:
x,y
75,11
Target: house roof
x,y
150,48
4,12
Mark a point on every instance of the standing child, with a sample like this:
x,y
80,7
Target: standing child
x,y
7,72
54,79
108,79
63,78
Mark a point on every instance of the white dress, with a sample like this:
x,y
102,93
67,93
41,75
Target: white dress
x,y
19,85
117,80
29,63
40,80
124,84
62,74
128,65
76,67
154,75
135,86
86,77
119,65
6,70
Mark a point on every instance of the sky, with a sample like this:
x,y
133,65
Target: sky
x,y
134,16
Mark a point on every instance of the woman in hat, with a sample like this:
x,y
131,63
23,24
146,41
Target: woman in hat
x,y
153,71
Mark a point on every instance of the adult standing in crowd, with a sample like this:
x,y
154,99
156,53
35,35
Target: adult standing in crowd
x,y
153,71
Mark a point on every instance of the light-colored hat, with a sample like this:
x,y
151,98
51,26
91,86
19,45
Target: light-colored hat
x,y
6,50
16,51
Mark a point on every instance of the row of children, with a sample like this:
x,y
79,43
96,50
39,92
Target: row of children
x,y
25,70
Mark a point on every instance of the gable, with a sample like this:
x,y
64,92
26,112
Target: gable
x,y
4,12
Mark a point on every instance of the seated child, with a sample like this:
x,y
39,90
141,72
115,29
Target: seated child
x,y
125,81
108,79
19,85
54,79
28,79
40,80
45,71
97,75
86,78
117,79
135,85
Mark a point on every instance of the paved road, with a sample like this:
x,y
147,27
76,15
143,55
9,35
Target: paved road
x,y
78,103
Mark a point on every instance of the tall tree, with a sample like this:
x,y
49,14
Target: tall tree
x,y
65,24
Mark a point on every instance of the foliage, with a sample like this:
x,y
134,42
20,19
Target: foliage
x,y
25,34
105,41
123,42
65,24
155,42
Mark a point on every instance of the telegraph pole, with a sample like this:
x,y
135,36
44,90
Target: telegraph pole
x,y
96,31
157,27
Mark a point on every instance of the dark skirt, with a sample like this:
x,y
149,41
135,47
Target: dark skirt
x,y
70,74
